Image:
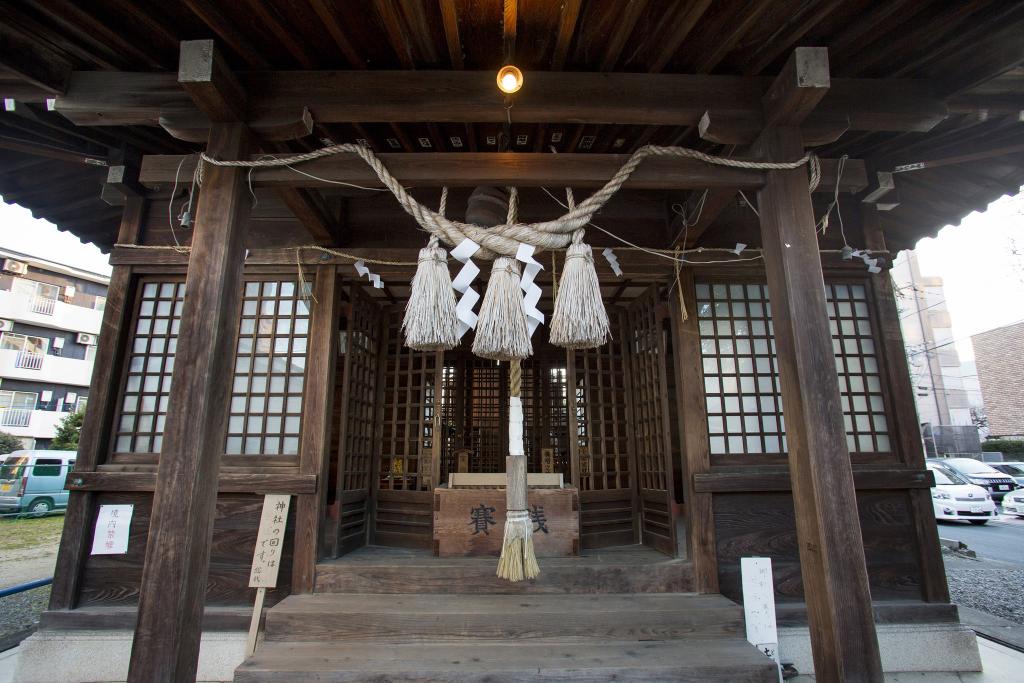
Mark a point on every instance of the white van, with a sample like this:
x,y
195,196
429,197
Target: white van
x,y
33,481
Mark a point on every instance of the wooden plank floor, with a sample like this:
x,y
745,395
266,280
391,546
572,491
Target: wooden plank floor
x,y
624,569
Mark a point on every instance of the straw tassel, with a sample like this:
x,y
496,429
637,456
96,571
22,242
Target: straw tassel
x,y
430,322
518,560
580,320
501,331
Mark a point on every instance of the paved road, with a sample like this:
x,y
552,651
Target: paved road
x,y
1001,539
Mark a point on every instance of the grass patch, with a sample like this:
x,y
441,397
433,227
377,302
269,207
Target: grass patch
x,y
32,532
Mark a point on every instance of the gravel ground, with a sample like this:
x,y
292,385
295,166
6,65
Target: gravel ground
x,y
21,611
987,585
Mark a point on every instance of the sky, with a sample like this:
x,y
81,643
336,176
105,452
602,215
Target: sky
x,y
981,262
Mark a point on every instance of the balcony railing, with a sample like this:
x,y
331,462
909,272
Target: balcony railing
x,y
43,305
28,360
15,417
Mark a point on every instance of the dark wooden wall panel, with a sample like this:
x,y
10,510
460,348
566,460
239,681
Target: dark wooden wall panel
x,y
115,579
763,525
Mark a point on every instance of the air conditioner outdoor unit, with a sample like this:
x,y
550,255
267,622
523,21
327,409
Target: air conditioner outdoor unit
x,y
12,266
6,325
86,338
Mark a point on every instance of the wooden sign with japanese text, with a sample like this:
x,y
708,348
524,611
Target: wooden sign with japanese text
x,y
266,560
759,605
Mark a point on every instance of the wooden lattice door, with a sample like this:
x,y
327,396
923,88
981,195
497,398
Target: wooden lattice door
x,y
647,343
601,443
360,346
408,465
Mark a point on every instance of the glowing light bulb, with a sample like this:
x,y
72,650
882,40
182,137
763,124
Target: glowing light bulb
x,y
510,79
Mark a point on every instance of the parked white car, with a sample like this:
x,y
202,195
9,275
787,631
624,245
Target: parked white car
x,y
1013,503
955,499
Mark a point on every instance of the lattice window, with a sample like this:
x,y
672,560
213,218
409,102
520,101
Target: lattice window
x,y
362,340
860,381
600,402
741,383
645,334
270,365
407,420
485,423
139,425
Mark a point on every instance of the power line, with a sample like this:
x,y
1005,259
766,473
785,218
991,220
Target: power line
x,y
953,341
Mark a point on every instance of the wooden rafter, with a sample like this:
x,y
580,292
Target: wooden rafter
x,y
450,19
623,29
328,14
227,31
566,30
682,28
31,62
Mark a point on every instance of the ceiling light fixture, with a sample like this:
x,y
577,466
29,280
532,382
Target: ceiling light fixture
x,y
510,79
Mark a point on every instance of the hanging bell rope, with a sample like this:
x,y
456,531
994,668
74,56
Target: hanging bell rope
x,y
580,320
518,560
502,332
431,322
504,239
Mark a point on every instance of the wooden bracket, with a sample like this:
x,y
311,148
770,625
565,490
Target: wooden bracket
x,y
883,195
206,77
798,89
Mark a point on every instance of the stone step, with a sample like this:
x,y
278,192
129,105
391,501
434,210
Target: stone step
x,y
624,571
723,660
410,618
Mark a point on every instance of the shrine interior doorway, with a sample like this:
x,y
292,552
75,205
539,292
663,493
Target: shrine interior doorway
x,y
406,420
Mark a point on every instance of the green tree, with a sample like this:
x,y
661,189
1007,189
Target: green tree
x,y
68,432
9,443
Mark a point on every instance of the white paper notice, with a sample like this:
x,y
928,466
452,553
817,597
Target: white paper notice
x,y
111,534
759,605
266,559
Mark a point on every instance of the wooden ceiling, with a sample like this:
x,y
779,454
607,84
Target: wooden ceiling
x,y
971,51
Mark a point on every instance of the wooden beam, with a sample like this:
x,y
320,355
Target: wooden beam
x,y
308,206
681,28
693,425
798,89
883,194
227,482
632,9
450,20
121,98
31,62
173,587
469,169
835,578
724,129
94,442
780,479
711,204
315,451
206,77
566,31
122,182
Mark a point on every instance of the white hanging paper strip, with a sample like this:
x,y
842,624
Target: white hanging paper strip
x,y
463,284
515,426
739,248
374,279
531,292
613,261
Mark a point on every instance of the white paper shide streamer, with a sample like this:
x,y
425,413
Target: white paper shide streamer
x,y
613,261
363,271
463,284
531,292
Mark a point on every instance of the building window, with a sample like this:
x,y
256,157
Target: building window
x,y
99,303
741,379
140,422
41,297
741,382
270,365
860,381
30,350
16,408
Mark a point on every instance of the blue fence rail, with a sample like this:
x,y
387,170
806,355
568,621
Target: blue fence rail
x,y
22,587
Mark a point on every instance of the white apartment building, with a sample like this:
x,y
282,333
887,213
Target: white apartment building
x,y
50,318
945,388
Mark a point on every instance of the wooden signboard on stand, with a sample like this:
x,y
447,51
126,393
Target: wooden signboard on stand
x,y
266,560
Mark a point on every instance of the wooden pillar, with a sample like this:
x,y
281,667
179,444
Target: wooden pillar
x,y
832,562
318,402
693,429
166,645
905,430
94,442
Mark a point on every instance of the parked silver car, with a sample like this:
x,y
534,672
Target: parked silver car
x,y
33,481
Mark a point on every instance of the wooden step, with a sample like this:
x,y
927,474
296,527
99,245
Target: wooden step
x,y
622,570
410,618
730,660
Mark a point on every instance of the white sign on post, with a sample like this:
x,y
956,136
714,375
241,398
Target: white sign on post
x,y
759,605
266,559
110,537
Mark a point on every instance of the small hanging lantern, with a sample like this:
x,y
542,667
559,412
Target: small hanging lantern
x,y
510,79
